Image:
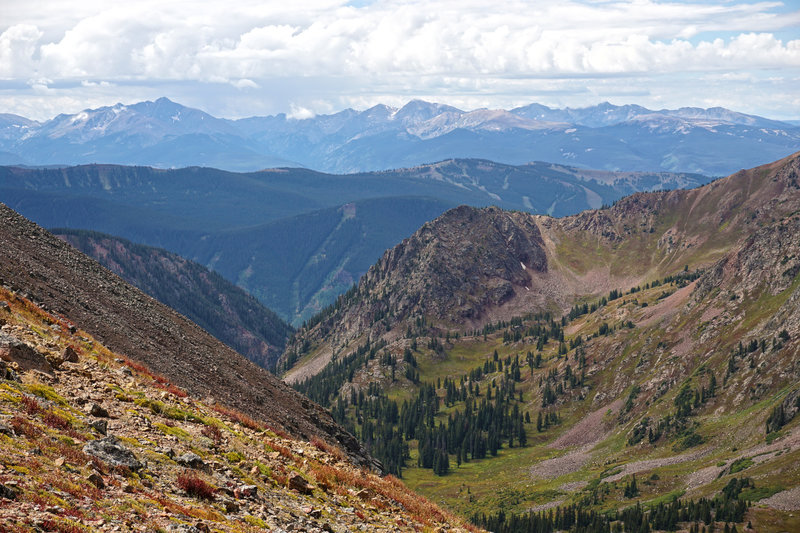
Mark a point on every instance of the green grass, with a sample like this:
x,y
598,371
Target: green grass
x,y
740,464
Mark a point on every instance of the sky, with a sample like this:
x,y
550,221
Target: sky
x,y
307,57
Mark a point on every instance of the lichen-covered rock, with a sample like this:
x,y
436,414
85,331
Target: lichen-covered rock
x,y
191,460
111,451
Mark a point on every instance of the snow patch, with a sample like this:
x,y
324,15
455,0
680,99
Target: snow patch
x,y
83,116
523,265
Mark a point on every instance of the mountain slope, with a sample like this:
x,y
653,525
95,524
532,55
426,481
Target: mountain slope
x,y
92,441
629,137
643,236
64,281
658,388
237,223
204,297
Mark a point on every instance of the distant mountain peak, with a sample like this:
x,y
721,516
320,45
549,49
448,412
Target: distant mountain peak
x,y
165,133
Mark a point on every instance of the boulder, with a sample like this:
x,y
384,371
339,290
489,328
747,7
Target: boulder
x,y
191,460
69,355
101,426
111,451
8,492
27,357
299,483
245,491
96,480
98,410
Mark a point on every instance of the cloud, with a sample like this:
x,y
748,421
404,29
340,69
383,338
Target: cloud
x,y
300,113
392,48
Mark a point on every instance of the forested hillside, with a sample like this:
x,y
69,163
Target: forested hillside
x,y
203,296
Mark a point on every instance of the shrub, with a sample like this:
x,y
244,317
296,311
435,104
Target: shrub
x,y
195,486
56,421
23,427
239,417
740,464
213,433
31,405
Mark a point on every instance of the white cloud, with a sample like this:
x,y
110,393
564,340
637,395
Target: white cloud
x,y
300,113
392,49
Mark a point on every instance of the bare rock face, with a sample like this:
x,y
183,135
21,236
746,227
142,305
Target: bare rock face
x,y
13,350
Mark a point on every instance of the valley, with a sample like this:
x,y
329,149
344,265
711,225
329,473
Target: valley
x,y
661,342
364,266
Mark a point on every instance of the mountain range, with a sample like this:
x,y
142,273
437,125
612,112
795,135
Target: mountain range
x,y
636,363
296,238
165,134
632,367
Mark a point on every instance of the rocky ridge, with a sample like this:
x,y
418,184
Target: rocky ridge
x,y
67,283
673,377
92,440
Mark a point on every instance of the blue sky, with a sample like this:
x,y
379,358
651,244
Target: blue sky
x,y
319,56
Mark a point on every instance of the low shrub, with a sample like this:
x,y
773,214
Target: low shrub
x,y
195,486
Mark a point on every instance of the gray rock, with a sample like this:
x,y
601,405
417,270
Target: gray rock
x,y
166,451
183,528
111,451
245,491
6,372
101,426
191,460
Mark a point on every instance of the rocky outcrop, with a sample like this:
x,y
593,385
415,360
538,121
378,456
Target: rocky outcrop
x,y
112,452
192,465
457,269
